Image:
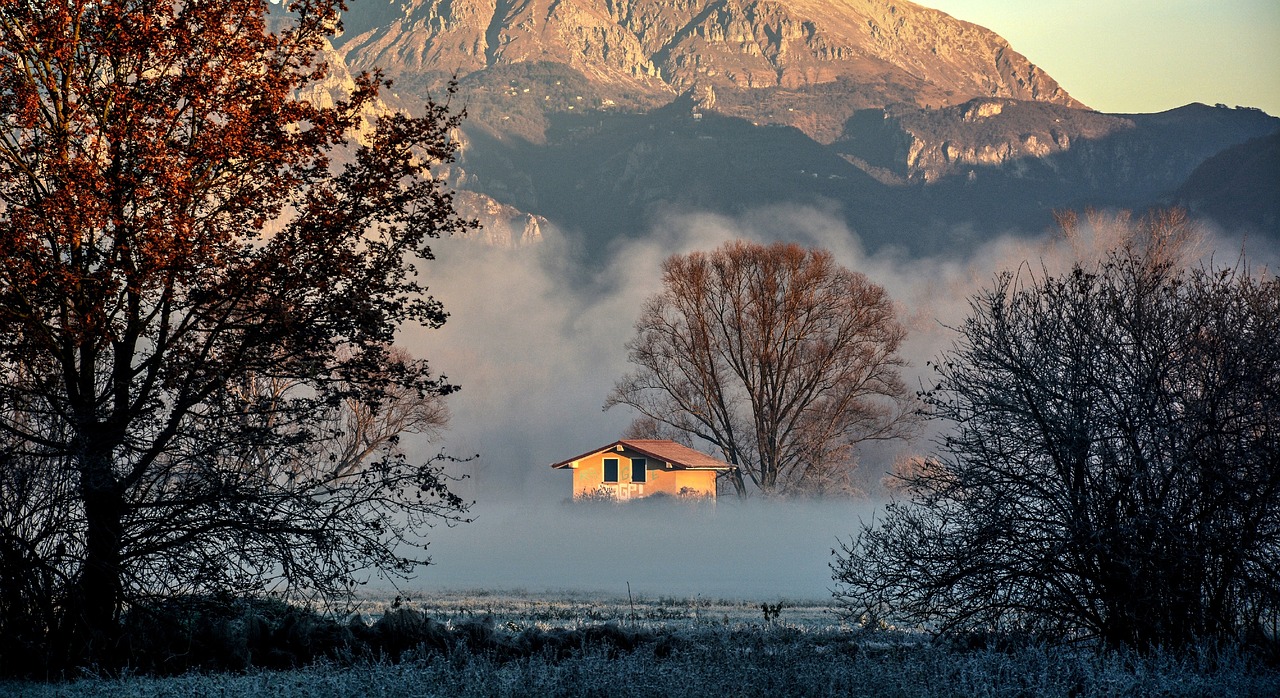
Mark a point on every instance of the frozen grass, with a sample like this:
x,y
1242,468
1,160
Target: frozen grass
x,y
706,648
518,610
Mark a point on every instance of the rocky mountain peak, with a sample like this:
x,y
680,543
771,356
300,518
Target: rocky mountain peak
x,y
807,63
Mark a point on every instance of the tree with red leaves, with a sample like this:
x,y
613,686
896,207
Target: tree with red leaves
x,y
198,391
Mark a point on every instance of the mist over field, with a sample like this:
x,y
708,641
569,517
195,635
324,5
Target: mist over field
x,y
753,550
537,341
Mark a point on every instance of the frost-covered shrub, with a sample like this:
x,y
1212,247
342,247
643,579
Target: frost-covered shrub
x,y
183,634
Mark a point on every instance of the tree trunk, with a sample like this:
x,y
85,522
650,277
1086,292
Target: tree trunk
x,y
739,485
93,615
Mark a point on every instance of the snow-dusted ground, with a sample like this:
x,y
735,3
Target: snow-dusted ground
x,y
703,647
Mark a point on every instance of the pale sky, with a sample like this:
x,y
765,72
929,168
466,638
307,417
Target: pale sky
x,y
1130,56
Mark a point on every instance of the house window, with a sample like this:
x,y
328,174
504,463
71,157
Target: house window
x,y
610,469
637,469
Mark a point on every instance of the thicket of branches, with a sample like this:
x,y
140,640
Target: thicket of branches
x,y
1114,469
777,357
198,391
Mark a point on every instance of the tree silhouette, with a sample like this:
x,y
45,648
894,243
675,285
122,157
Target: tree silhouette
x,y
198,390
1114,469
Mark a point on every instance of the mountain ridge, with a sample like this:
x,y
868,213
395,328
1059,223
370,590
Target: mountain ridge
x,y
596,116
850,54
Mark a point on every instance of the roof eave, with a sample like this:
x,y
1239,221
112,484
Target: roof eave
x,y
632,446
568,463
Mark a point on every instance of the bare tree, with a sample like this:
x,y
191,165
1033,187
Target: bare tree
x,y
1114,469
197,387
774,355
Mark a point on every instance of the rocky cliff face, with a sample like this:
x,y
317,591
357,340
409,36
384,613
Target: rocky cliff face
x,y
902,143
800,44
444,37
808,63
340,85
1034,140
501,225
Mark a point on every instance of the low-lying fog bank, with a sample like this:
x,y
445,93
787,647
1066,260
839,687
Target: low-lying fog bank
x,y
754,550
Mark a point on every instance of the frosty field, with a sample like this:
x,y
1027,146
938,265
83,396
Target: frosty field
x,y
596,645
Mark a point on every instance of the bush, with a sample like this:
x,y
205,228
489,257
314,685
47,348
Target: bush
x,y
198,633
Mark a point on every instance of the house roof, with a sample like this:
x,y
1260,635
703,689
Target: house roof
x,y
659,449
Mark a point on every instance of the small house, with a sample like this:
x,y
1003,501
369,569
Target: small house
x,y
634,468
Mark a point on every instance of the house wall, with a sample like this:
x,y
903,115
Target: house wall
x,y
588,477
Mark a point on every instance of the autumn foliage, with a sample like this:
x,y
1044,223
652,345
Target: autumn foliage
x,y
192,296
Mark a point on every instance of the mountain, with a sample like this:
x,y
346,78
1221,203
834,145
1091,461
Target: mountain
x,y
599,178
1239,187
921,131
1136,156
805,63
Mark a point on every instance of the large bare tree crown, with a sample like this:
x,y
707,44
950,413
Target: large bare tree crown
x,y
774,355
1112,464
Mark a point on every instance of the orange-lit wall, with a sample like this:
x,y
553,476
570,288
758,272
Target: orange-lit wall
x,y
588,476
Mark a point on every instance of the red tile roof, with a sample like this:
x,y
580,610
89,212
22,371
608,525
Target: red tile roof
x,y
660,449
